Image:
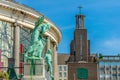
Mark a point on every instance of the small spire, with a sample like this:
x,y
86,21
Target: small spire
x,y
80,8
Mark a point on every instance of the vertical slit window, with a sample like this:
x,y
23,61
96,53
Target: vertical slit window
x,y
80,47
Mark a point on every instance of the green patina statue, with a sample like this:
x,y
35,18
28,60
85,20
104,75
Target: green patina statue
x,y
38,42
48,58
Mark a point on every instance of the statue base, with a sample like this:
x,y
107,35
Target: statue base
x,y
34,78
40,71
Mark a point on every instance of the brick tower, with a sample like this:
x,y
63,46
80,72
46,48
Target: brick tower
x,y
81,65
80,46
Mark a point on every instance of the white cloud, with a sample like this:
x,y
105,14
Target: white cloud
x,y
112,43
110,46
107,46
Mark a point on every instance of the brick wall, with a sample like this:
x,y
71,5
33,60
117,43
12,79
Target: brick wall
x,y
92,70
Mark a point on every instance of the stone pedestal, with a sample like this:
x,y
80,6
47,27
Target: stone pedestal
x,y
40,72
34,78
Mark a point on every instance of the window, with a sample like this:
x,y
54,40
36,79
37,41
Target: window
x,y
119,69
81,47
65,68
107,76
102,69
65,74
60,68
114,63
117,58
111,58
118,63
60,74
101,64
25,38
107,64
102,75
105,58
6,41
107,69
6,38
80,23
114,69
114,75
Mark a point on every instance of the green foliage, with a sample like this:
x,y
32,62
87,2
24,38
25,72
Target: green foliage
x,y
4,75
118,54
100,56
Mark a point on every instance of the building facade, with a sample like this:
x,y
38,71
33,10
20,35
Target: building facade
x,y
16,24
62,66
109,68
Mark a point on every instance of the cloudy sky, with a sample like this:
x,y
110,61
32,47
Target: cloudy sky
x,y
102,21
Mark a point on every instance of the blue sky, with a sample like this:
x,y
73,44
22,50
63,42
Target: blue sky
x,y
102,21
